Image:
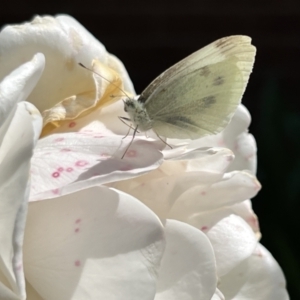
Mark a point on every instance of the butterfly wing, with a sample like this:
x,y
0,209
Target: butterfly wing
x,y
198,95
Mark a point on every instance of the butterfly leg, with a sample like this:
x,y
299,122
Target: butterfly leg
x,y
130,127
134,132
163,140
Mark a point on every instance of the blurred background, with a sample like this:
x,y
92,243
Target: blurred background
x,y
149,36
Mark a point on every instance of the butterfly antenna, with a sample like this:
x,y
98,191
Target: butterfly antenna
x,y
80,64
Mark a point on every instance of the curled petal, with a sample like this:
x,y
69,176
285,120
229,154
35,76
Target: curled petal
x,y
207,219
18,85
66,90
108,246
239,124
235,187
218,295
188,269
245,153
233,241
17,145
259,277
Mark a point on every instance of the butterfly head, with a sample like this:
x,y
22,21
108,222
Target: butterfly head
x,y
130,105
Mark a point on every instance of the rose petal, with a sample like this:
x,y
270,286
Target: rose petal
x,y
239,124
259,277
233,241
245,153
218,295
235,187
18,145
96,50
17,86
108,246
64,163
245,211
161,188
67,89
188,269
207,219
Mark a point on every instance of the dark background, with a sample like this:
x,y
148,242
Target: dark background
x,y
149,36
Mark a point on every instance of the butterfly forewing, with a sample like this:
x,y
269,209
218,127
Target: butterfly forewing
x,y
199,95
220,50
203,108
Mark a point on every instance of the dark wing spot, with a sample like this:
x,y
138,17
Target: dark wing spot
x,y
218,80
220,43
205,71
209,101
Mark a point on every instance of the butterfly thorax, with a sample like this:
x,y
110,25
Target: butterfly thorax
x,y
138,114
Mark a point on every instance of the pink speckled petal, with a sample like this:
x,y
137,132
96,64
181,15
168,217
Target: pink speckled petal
x,y
235,187
233,241
258,277
161,188
188,269
239,124
245,153
64,163
245,211
207,219
97,243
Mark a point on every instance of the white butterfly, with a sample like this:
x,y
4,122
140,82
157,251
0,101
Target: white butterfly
x,y
198,95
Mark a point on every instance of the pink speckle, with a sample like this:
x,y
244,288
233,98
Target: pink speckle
x,y
60,169
72,124
81,163
59,139
257,185
257,252
104,154
131,153
98,136
203,193
69,169
55,174
19,267
229,157
248,157
221,143
125,168
55,191
77,263
65,150
204,228
78,221
77,230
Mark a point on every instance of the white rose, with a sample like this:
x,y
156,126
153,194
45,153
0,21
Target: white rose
x,y
158,224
